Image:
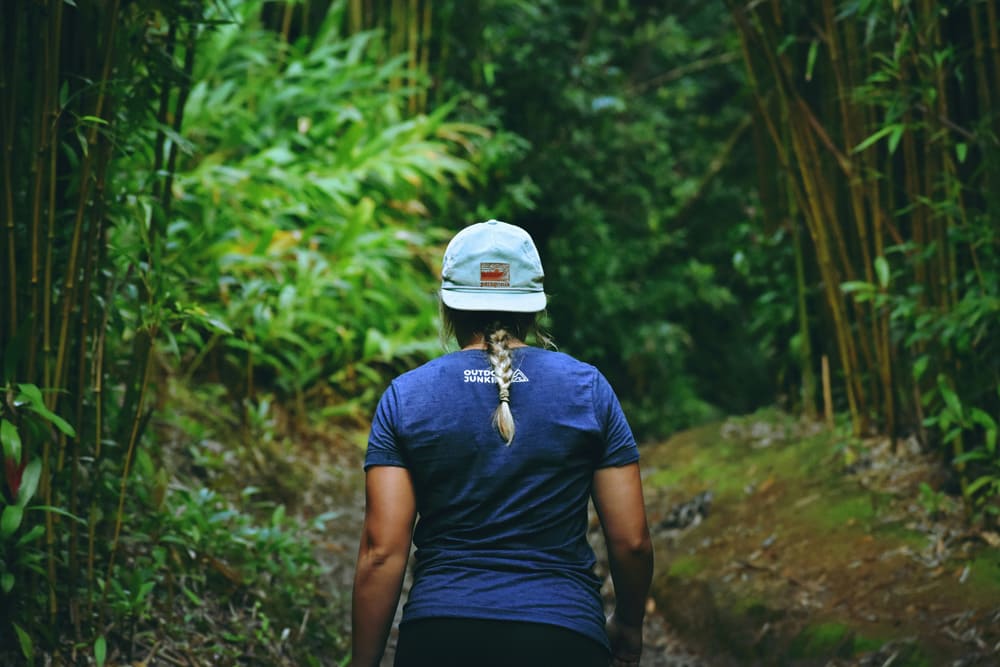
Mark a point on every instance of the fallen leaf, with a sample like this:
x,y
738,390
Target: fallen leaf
x,y
991,539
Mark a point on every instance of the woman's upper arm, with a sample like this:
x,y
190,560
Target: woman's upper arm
x,y
618,498
390,509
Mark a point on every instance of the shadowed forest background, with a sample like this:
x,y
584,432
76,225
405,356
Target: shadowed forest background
x,y
221,224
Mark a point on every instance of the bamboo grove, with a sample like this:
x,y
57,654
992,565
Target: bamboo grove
x,y
79,84
882,127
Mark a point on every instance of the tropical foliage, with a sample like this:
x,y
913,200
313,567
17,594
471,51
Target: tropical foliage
x,y
221,224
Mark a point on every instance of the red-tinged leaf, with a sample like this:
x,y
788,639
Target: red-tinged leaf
x,y
14,473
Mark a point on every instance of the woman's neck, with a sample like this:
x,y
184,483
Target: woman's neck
x,y
478,342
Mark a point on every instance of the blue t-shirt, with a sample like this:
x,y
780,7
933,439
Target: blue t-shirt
x,y
502,529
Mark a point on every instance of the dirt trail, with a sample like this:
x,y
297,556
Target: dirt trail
x,y
338,485
795,558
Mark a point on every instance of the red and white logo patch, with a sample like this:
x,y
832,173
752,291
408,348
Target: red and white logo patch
x,y
494,274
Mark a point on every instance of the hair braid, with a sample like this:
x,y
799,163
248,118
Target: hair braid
x,y
498,351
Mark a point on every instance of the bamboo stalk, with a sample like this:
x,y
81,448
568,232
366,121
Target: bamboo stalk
x,y
98,391
148,335
979,63
356,17
395,25
69,294
805,347
413,49
992,21
808,194
44,98
425,55
827,393
8,123
184,90
69,287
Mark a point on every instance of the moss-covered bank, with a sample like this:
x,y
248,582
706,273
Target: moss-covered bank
x,y
818,550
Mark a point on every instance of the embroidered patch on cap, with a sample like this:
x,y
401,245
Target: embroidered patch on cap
x,y
494,274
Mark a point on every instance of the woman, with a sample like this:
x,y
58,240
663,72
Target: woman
x,y
498,447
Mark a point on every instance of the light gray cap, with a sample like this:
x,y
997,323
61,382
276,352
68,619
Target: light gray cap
x,y
492,266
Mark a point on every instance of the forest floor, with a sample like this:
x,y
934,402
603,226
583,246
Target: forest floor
x,y
778,543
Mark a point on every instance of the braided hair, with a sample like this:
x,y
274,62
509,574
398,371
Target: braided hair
x,y
497,329
498,351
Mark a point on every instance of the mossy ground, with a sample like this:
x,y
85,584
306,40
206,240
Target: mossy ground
x,y
803,563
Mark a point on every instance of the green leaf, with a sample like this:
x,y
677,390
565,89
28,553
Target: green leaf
x,y
27,647
856,286
950,398
7,582
29,482
11,441
11,520
981,417
60,512
961,151
100,651
897,134
874,138
32,396
811,59
980,483
966,457
920,367
36,531
882,271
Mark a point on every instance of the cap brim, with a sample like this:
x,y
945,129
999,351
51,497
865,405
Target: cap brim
x,y
507,302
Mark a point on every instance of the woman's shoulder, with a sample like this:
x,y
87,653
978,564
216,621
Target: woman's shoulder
x,y
555,358
444,364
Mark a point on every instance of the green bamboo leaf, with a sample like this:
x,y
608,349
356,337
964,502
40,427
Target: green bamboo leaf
x,y
897,134
100,651
30,394
24,639
961,151
11,441
882,271
60,512
6,582
950,398
974,455
856,286
984,419
980,483
11,520
811,59
920,366
879,134
29,482
36,531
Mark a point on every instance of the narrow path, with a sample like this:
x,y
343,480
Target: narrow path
x,y
337,486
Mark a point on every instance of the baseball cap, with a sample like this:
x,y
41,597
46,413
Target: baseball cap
x,y
492,265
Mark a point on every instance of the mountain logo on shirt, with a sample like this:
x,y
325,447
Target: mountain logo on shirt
x,y
485,375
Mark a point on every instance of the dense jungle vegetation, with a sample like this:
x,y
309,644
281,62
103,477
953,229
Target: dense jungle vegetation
x,y
221,222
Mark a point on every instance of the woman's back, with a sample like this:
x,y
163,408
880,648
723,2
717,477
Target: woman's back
x,y
502,528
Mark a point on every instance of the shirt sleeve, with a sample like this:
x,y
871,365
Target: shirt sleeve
x,y
619,444
383,439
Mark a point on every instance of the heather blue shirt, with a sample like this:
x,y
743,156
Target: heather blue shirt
x,y
502,529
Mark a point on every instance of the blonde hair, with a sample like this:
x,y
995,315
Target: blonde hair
x,y
497,329
498,351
